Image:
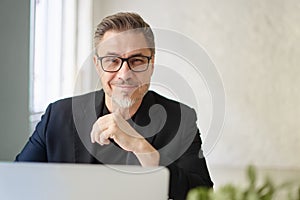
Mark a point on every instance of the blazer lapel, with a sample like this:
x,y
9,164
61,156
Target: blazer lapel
x,y
86,111
150,118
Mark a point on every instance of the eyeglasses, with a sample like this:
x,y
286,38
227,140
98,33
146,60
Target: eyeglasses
x,y
138,63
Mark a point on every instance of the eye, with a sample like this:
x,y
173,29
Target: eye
x,y
138,60
114,60
111,60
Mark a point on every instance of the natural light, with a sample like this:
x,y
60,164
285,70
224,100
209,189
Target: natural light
x,y
58,50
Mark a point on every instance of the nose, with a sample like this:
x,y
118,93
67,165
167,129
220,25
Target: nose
x,y
125,72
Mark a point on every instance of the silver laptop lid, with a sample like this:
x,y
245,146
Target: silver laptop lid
x,y
43,181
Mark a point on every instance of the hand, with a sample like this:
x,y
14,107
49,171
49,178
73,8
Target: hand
x,y
114,126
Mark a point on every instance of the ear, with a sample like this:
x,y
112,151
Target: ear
x,y
97,64
95,60
152,64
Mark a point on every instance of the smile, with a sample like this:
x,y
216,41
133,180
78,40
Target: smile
x,y
126,87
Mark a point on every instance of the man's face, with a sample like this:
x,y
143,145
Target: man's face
x,y
124,87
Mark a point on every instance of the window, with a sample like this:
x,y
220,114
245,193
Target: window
x,y
59,48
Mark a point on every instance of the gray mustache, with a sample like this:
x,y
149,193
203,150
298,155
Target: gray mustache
x,y
122,82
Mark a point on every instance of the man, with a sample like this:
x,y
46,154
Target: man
x,y
124,123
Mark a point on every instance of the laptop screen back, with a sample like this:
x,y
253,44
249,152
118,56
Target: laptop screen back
x,y
82,181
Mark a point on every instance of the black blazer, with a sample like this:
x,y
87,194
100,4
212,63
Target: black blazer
x,y
63,135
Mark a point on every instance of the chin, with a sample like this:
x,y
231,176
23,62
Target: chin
x,y
126,99
125,102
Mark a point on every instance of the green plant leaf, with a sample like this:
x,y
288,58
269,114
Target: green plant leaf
x,y
251,172
199,193
266,191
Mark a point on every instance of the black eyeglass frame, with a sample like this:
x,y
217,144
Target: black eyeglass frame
x,y
124,60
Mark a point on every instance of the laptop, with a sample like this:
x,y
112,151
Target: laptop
x,y
44,181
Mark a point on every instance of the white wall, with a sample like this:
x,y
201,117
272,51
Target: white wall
x,y
255,47
14,76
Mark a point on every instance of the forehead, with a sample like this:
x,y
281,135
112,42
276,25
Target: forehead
x,y
122,43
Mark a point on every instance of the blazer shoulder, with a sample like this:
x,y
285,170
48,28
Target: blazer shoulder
x,y
65,108
67,103
170,103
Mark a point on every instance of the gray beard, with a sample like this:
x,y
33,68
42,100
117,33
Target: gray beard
x,y
124,102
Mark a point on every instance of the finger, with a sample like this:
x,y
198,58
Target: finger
x,y
96,137
104,137
105,121
124,113
124,126
94,132
99,126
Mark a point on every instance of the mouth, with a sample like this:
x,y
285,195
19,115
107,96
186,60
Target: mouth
x,y
126,88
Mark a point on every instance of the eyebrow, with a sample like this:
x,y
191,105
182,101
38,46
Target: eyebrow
x,y
112,54
116,54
